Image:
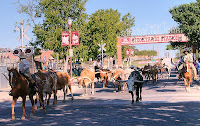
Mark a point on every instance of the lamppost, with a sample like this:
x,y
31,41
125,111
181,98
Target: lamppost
x,y
70,45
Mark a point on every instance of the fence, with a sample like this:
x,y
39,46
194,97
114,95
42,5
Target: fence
x,y
3,81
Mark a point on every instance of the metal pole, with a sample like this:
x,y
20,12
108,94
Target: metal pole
x,y
22,32
102,53
70,46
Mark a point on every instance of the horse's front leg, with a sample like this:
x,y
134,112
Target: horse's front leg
x,y
189,82
23,107
32,102
185,83
13,107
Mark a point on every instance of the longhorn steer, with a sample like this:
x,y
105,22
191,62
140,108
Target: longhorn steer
x,y
135,81
86,79
122,75
63,81
154,73
104,76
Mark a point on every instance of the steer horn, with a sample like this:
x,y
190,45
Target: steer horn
x,y
73,78
87,78
139,81
147,70
122,80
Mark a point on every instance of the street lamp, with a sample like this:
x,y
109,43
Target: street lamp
x,y
70,45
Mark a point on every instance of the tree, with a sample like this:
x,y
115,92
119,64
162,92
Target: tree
x,y
187,16
105,25
148,53
54,15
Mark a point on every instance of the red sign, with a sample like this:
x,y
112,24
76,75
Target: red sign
x,y
75,38
130,52
65,38
149,39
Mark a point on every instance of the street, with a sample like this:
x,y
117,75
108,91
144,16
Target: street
x,y
163,103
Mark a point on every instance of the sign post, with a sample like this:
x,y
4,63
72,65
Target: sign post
x,y
22,32
129,52
102,49
70,38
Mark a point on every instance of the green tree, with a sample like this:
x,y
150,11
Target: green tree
x,y
187,16
148,53
53,15
106,25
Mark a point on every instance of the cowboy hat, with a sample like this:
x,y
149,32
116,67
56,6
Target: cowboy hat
x,y
186,51
51,58
22,56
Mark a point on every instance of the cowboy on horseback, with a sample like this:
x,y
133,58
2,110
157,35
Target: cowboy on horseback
x,y
24,69
188,57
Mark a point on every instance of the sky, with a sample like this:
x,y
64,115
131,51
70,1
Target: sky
x,y
151,17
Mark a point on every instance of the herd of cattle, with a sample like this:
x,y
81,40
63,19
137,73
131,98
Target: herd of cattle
x,y
50,81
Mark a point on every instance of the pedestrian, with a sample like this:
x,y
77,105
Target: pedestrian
x,y
51,65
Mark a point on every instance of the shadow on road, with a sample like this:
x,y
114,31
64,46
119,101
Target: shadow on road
x,y
185,113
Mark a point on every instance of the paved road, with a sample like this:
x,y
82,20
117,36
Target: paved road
x,y
164,103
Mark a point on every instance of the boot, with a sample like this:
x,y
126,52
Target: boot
x,y
10,93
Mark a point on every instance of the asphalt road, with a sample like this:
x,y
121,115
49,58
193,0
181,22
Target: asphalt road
x,y
163,103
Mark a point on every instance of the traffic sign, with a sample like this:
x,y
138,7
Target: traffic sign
x,y
24,33
102,47
130,52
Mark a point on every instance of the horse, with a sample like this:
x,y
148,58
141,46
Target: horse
x,y
20,88
164,67
187,76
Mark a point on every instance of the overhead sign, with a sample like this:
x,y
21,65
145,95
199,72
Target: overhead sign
x,y
102,47
149,39
65,38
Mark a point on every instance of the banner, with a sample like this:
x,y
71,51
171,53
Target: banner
x,y
149,39
65,38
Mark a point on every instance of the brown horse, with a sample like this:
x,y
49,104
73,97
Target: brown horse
x,y
20,88
187,76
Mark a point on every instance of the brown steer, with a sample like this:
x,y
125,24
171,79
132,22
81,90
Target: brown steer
x,y
86,79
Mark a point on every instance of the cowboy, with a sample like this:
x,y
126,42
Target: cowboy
x,y
51,65
24,69
188,57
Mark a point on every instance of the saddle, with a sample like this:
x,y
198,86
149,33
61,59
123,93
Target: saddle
x,y
33,87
